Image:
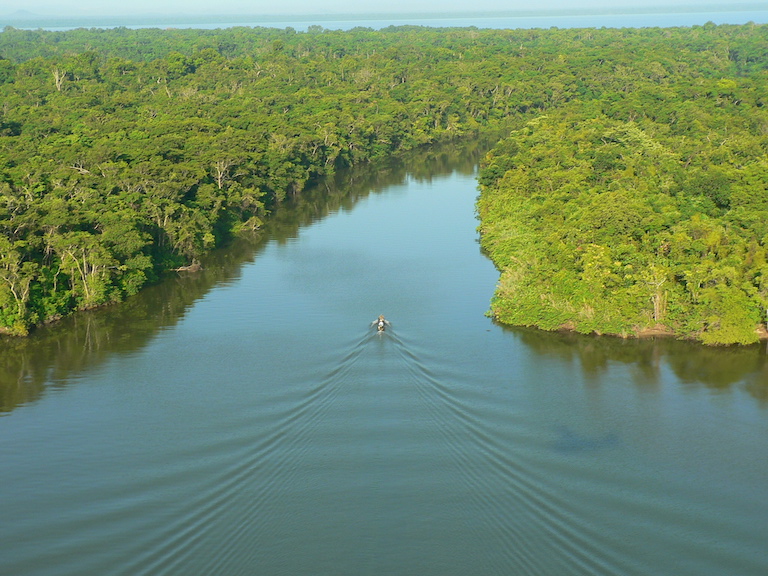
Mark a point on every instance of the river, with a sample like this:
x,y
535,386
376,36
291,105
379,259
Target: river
x,y
248,420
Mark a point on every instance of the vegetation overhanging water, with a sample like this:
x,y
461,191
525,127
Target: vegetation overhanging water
x,y
247,418
129,152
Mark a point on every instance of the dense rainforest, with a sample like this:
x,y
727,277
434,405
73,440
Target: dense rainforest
x,y
631,193
644,210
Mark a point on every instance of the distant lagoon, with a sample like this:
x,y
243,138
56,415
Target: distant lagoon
x,y
378,21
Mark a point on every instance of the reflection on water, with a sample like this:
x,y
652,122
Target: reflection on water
x,y
55,352
718,369
248,419
570,441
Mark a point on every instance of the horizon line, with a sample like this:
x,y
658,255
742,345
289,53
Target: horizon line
x,y
23,15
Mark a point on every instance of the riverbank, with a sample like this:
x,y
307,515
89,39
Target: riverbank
x,y
319,198
246,419
651,332
609,226
125,157
132,152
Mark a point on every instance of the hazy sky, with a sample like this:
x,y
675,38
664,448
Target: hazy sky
x,y
180,7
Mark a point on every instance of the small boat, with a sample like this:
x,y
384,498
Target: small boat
x,y
381,323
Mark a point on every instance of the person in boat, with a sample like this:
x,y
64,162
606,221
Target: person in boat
x,y
381,323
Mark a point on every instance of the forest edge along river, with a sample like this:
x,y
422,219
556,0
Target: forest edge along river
x,y
610,240
249,419
69,345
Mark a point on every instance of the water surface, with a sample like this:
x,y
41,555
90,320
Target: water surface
x,y
672,16
248,420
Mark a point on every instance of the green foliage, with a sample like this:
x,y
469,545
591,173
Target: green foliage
x,y
632,193
125,153
608,231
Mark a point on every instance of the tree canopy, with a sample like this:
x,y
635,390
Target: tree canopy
x,y
644,209
125,153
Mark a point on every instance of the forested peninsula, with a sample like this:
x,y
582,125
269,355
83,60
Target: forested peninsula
x,y
630,195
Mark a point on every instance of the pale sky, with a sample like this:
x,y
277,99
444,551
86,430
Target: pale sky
x,y
256,7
